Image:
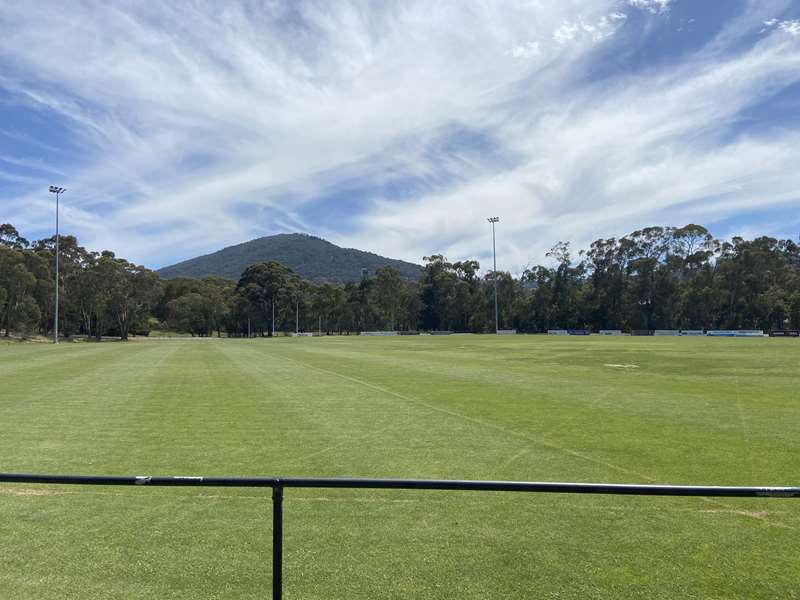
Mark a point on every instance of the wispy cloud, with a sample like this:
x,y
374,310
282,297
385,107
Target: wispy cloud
x,y
790,27
651,6
206,124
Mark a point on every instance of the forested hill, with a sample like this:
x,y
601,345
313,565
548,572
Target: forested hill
x,y
311,257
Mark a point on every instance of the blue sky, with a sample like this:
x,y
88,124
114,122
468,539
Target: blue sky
x,y
398,127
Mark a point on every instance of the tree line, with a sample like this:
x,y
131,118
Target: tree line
x,y
653,278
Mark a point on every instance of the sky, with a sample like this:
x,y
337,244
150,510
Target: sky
x,y
179,128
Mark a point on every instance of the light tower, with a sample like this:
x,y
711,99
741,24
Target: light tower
x,y
54,189
494,220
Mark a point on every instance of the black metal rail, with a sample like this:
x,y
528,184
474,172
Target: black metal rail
x,y
278,484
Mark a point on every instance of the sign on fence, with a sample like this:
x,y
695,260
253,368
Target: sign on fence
x,y
578,331
736,333
692,332
378,333
640,332
666,332
435,332
610,332
303,334
784,333
506,332
557,332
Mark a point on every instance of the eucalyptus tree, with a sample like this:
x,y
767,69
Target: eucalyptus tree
x,y
388,295
264,285
19,310
132,292
328,305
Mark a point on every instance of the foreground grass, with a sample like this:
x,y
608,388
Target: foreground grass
x,y
683,411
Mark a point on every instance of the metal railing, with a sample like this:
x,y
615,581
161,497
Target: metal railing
x,y
278,484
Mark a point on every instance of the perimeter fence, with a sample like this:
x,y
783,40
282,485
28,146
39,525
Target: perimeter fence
x,y
279,484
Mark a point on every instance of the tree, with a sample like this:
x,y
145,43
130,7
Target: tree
x,y
132,291
438,292
388,293
327,304
191,313
465,291
300,292
263,285
654,278
10,237
18,308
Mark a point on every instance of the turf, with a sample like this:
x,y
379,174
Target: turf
x,y
681,411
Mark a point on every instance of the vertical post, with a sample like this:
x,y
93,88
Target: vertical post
x,y
277,542
297,315
273,317
494,220
55,318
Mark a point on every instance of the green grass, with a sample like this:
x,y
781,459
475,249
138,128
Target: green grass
x,y
692,411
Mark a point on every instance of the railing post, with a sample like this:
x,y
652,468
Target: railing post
x,y
277,541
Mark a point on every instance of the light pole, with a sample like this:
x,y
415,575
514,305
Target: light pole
x,y
494,220
54,189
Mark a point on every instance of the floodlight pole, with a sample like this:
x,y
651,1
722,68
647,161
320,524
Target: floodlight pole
x,y
494,220
57,191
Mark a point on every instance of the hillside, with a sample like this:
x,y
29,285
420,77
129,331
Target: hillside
x,y
311,257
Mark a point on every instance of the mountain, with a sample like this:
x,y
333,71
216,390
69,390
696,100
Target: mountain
x,y
311,257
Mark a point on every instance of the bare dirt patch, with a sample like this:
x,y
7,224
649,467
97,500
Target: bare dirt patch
x,y
12,491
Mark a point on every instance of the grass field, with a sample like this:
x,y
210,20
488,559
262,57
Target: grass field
x,y
681,411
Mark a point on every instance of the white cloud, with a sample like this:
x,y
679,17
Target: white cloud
x,y
611,159
651,6
529,49
567,32
597,30
207,125
790,27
